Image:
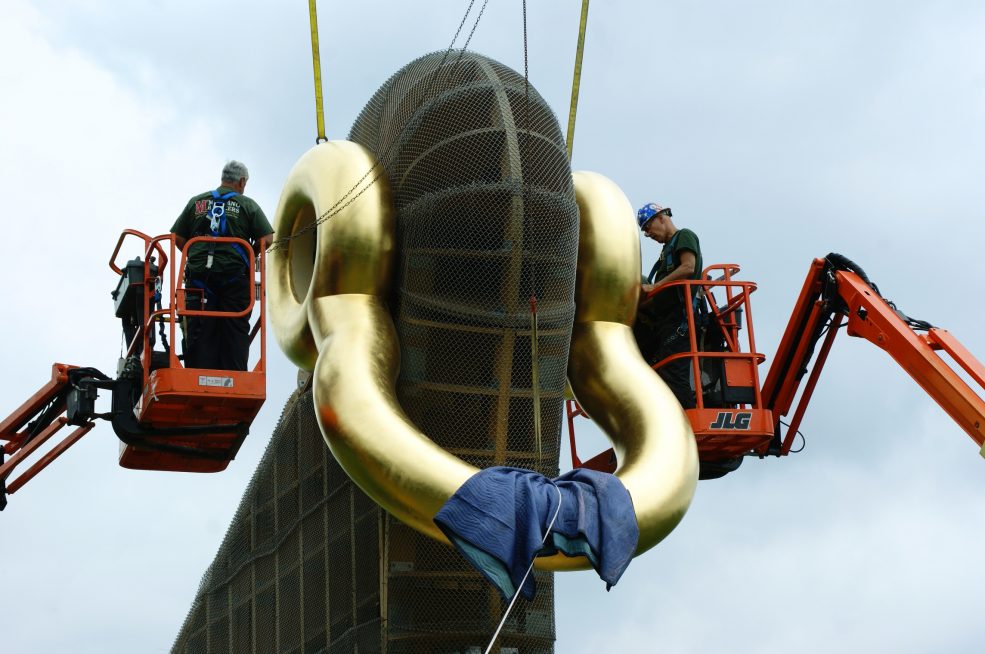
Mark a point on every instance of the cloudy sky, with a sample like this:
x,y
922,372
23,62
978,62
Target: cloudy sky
x,y
778,130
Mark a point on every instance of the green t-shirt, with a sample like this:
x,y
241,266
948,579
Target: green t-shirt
x,y
667,306
683,239
244,219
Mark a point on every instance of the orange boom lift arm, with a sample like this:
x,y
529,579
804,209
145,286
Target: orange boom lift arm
x,y
836,290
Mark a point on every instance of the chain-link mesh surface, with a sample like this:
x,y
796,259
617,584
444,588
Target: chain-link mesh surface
x,y
486,219
299,571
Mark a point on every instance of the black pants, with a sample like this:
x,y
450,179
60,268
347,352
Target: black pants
x,y
657,342
218,343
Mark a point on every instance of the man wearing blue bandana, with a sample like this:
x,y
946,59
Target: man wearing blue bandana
x,y
661,321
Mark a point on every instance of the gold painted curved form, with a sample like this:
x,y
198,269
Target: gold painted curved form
x,y
327,291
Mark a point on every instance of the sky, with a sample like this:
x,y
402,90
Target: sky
x,y
777,130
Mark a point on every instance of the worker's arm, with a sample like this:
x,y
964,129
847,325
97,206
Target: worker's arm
x,y
684,271
182,226
263,232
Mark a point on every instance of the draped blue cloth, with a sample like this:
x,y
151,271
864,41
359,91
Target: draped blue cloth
x,y
499,517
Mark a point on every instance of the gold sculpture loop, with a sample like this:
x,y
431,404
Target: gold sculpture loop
x,y
327,293
652,437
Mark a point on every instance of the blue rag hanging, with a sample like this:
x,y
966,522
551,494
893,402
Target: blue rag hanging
x,y
499,517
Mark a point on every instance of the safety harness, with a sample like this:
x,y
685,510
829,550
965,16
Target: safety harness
x,y
216,226
219,227
668,258
697,299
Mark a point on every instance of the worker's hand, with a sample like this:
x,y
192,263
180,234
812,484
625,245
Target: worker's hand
x,y
645,291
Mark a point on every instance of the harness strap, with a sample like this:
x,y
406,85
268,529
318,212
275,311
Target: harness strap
x,y
697,303
219,227
667,259
201,285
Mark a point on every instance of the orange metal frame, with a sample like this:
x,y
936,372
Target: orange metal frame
x,y
725,432
20,445
207,412
756,427
175,396
872,318
721,432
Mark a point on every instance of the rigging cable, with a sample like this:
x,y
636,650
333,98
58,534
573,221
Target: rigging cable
x,y
519,588
535,373
803,439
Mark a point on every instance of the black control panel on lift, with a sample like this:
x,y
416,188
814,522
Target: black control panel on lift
x,y
128,298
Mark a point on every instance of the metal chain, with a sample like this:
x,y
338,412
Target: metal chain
x,y
343,202
461,25
526,75
474,25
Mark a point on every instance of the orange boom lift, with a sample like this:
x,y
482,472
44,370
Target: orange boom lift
x,y
737,416
167,416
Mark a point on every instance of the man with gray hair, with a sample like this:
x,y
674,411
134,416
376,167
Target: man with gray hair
x,y
217,274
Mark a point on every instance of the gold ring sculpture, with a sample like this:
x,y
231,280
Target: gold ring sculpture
x,y
328,288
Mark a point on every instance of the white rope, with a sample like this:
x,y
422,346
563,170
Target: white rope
x,y
519,588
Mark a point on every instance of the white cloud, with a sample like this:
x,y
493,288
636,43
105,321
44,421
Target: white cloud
x,y
84,156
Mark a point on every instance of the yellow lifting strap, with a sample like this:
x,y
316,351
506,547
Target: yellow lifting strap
x,y
576,82
316,64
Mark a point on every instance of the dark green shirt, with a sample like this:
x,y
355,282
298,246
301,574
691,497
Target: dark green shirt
x,y
244,219
670,255
667,306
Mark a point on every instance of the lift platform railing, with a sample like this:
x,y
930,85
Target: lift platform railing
x,y
728,418
726,319
166,435
149,407
257,264
176,308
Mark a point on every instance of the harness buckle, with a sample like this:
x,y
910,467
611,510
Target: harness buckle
x,y
215,216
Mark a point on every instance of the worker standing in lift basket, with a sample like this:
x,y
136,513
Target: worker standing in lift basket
x,y
661,320
220,270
